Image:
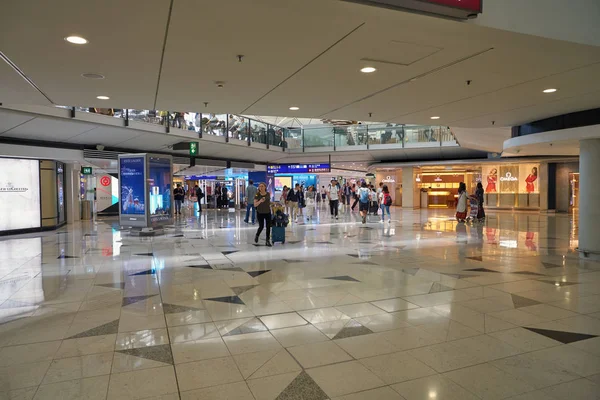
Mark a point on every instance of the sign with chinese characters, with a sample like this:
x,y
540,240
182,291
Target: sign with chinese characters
x,y
297,168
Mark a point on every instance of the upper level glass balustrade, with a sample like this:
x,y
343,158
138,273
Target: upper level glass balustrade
x,y
251,130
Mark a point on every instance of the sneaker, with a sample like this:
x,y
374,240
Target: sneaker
x,y
336,217
268,243
381,222
256,239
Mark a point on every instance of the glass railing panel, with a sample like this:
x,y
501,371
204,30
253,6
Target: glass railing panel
x,y
237,127
421,134
293,138
148,116
319,137
110,112
276,136
214,124
258,130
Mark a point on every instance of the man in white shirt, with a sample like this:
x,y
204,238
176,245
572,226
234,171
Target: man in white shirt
x,y
333,193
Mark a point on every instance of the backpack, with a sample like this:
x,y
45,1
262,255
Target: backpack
x,y
364,195
387,199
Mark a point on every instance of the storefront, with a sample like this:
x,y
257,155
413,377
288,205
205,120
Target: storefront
x,y
32,195
507,185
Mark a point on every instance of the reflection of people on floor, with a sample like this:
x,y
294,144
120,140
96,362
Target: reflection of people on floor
x,y
529,243
532,177
490,233
492,178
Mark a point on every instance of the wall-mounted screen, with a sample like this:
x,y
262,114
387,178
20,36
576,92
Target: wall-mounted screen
x,y
281,181
19,194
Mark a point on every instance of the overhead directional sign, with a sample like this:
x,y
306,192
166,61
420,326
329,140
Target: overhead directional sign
x,y
297,168
193,148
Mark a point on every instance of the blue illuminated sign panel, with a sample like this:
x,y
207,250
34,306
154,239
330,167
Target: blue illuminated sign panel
x,y
297,168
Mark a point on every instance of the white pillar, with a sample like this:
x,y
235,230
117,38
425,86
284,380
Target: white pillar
x,y
72,192
408,188
589,193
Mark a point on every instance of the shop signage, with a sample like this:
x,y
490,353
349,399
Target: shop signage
x,y
193,148
438,179
297,168
389,179
86,170
105,180
508,178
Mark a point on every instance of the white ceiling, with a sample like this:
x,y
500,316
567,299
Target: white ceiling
x,y
303,53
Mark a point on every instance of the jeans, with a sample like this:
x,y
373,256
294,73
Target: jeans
x,y
348,199
261,224
385,209
178,204
248,208
333,207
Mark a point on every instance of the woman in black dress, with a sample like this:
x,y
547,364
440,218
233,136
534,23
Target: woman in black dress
x,y
262,203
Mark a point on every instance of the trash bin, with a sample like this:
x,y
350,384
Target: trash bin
x,y
86,210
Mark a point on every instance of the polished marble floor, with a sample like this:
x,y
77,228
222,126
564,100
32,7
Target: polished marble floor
x,y
421,308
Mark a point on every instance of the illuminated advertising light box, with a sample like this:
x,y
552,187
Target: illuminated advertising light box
x,y
145,182
107,194
19,194
159,189
132,194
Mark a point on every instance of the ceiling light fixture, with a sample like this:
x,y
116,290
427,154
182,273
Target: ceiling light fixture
x,y
435,117
92,76
102,97
76,40
294,108
551,90
368,70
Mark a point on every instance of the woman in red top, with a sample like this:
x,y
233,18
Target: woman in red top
x,y
492,178
532,177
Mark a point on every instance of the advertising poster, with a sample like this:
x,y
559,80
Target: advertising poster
x,y
528,178
60,190
271,184
131,173
159,188
19,194
107,194
281,181
489,178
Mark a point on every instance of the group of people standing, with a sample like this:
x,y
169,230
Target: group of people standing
x,y
463,197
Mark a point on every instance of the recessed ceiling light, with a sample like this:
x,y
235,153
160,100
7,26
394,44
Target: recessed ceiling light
x,y
102,97
93,76
551,90
368,70
76,40
435,117
294,108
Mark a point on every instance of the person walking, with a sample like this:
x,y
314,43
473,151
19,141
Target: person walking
x,y
385,203
292,200
479,194
323,193
355,196
311,197
461,203
199,197
301,201
347,193
179,195
364,196
333,193
250,194
224,197
262,202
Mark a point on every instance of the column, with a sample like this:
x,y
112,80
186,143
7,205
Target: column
x,y
72,192
410,193
589,193
543,185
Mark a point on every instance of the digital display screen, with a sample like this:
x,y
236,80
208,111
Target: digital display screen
x,y
281,181
159,188
131,174
19,194
297,168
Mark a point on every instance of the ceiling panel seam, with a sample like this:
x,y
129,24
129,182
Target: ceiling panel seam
x,y
413,78
16,126
502,88
18,70
304,66
162,55
82,133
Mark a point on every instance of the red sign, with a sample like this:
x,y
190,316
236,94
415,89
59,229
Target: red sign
x,y
105,181
472,5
